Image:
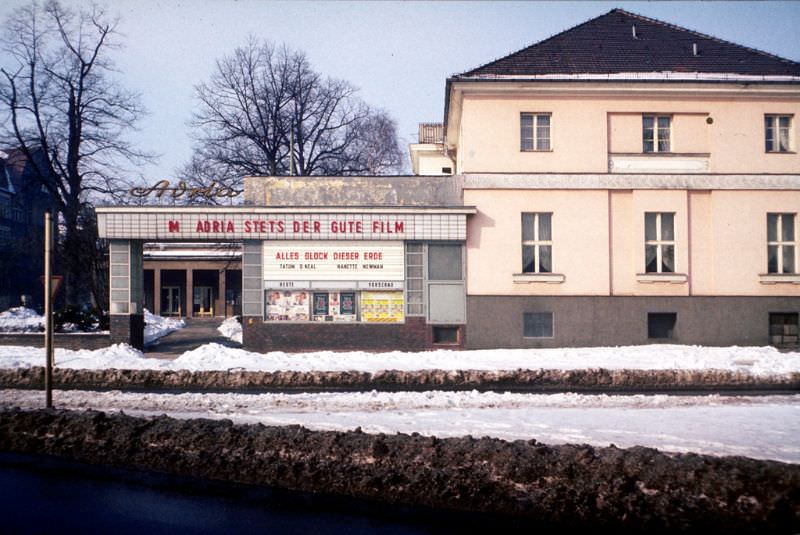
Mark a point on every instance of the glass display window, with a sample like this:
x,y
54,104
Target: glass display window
x,y
334,306
284,305
382,307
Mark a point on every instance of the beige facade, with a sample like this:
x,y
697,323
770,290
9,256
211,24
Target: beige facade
x,y
598,242
597,128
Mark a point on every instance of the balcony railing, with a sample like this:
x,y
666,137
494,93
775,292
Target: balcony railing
x,y
431,133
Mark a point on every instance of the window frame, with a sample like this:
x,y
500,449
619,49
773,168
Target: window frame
x,y
776,130
653,316
656,136
536,242
534,138
783,335
781,243
552,325
660,243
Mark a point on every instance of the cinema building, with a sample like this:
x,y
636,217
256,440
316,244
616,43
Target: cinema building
x,y
623,182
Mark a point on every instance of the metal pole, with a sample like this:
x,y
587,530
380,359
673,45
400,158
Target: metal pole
x,y
291,152
48,310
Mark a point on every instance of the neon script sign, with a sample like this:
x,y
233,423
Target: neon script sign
x,y
164,187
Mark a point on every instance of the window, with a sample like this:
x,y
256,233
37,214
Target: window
x,y
656,133
777,131
784,328
781,248
537,324
661,324
537,243
534,131
415,305
659,242
445,335
444,262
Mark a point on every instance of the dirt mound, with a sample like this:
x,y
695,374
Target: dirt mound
x,y
527,380
636,489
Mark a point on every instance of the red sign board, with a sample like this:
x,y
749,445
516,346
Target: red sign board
x,y
55,283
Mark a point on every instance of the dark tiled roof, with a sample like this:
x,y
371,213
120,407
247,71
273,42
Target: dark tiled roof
x,y
606,45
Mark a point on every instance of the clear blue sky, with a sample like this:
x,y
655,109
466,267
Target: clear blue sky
x,y
398,53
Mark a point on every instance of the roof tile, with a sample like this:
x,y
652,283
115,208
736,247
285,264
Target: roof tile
x,y
623,42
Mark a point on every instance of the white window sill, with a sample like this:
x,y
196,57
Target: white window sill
x,y
548,278
779,278
671,278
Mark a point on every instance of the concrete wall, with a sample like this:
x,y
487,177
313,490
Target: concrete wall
x,y
353,191
497,321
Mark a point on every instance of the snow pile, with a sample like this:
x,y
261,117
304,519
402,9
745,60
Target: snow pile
x,y
21,320
752,360
156,327
120,356
231,329
756,361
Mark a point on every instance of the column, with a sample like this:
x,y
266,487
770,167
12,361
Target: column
x,y
221,308
189,293
126,298
157,291
252,291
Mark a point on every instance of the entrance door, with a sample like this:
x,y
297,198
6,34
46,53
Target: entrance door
x,y
203,302
171,300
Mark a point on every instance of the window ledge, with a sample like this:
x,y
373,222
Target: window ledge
x,y
672,278
549,278
664,153
779,278
780,152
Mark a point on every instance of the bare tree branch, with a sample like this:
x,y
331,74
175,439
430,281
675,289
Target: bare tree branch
x,y
67,115
263,100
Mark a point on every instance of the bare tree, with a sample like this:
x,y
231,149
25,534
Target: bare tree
x,y
66,113
264,103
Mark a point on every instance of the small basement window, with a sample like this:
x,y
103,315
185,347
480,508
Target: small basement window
x,y
661,324
537,325
784,328
445,335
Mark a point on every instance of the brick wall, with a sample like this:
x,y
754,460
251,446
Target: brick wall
x,y
61,340
127,329
413,335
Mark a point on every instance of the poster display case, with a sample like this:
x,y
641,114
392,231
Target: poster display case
x,y
382,307
334,306
287,305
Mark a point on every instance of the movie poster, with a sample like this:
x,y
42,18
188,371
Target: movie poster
x,y
334,306
382,307
287,305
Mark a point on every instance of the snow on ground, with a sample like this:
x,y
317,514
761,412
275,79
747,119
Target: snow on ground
x,y
20,320
763,427
231,329
757,361
156,327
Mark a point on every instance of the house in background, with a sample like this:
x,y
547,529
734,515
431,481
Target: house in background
x,y
23,202
635,182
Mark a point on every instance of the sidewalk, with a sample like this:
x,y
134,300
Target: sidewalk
x,y
198,331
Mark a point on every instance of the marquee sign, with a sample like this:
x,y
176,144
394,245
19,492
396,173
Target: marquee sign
x,y
245,223
366,262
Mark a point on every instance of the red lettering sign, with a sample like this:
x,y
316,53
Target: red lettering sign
x,y
174,226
